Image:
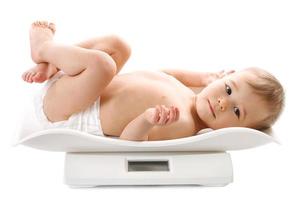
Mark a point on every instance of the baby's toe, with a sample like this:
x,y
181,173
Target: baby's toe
x,y
39,77
30,77
44,24
52,27
36,23
40,24
26,76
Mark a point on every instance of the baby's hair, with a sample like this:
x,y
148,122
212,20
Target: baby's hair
x,y
271,91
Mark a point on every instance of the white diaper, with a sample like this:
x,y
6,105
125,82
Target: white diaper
x,y
86,121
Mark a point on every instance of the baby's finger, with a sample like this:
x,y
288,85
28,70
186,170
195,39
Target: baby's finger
x,y
221,72
167,112
177,113
156,115
230,72
167,118
163,115
159,108
176,117
172,115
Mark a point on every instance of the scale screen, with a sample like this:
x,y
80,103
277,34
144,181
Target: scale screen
x,y
134,166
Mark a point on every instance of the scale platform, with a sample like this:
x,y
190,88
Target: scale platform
x,y
148,168
96,161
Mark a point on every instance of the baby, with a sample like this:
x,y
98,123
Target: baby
x,y
85,89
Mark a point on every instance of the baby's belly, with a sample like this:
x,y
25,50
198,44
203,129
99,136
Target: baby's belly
x,y
126,98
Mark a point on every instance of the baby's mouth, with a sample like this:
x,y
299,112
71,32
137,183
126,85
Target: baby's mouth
x,y
211,109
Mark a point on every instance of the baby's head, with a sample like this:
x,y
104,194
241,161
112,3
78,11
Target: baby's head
x,y
249,98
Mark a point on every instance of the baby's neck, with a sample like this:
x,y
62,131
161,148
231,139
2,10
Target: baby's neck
x,y
199,124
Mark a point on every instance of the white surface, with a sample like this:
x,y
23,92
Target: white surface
x,y
68,140
178,168
200,35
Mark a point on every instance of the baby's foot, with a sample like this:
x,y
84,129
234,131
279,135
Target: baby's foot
x,y
39,73
40,32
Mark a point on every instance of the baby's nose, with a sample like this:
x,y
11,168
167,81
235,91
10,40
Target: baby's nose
x,y
223,104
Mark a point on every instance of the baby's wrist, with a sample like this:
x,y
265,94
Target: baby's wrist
x,y
205,78
145,117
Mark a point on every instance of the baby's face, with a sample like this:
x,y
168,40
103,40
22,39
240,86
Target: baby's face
x,y
229,102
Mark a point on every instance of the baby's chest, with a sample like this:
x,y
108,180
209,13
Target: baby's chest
x,y
130,97
148,93
140,90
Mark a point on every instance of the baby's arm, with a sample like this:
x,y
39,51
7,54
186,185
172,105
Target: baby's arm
x,y
195,78
138,128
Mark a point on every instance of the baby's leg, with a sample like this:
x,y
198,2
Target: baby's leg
x,y
116,47
71,59
88,73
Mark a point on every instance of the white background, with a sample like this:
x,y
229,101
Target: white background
x,y
198,35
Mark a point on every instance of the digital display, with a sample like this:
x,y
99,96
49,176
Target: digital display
x,y
134,166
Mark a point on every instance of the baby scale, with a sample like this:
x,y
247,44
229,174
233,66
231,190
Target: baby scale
x,y
98,160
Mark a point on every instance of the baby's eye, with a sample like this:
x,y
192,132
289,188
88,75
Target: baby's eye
x,y
228,89
236,111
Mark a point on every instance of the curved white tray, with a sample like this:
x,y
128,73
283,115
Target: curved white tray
x,y
68,140
31,133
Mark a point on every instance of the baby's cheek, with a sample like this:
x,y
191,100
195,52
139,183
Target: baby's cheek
x,y
224,122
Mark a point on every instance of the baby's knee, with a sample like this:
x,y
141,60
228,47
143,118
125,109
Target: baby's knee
x,y
121,46
104,63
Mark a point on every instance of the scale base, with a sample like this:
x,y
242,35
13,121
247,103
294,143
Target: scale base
x,y
148,168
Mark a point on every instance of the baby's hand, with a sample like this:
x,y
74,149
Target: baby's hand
x,y
212,76
161,115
